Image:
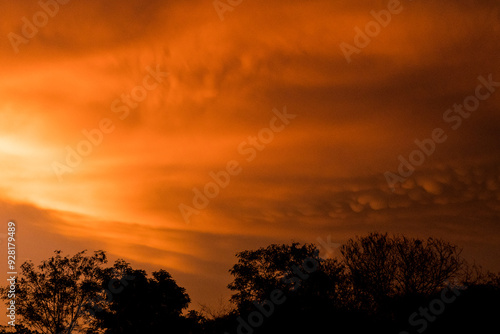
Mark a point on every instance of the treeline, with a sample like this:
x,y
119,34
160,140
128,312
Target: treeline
x,y
379,283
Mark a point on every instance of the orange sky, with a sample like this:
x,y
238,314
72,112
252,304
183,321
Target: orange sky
x,y
322,174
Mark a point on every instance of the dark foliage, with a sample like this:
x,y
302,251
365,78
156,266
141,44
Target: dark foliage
x,y
380,284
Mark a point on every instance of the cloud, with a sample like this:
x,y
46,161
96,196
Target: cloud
x,y
322,175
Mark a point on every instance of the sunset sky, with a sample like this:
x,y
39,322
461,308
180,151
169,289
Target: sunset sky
x,y
221,82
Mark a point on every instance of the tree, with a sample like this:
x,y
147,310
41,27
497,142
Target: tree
x,y
382,268
54,297
259,272
221,310
144,305
312,290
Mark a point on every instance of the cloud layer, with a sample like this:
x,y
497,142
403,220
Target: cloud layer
x,y
322,175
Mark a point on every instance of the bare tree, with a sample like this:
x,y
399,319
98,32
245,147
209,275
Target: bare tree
x,y
383,267
220,310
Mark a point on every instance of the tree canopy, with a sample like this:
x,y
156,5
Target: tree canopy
x,y
144,305
77,294
53,297
380,283
382,267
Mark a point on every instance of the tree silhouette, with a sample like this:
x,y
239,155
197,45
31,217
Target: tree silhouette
x,y
53,297
376,285
381,283
382,268
77,294
261,271
308,287
145,305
